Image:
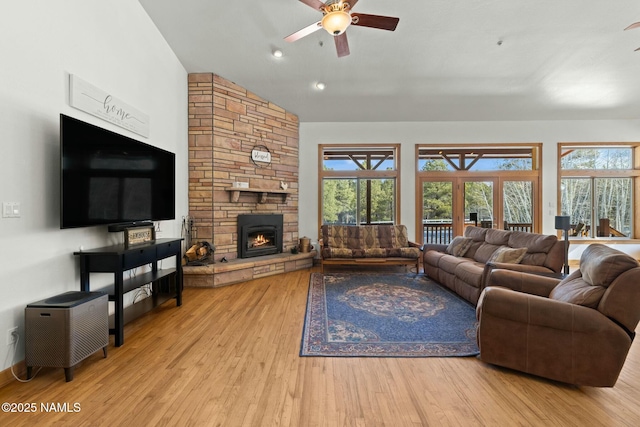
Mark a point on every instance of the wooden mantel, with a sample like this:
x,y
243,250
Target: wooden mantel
x,y
263,192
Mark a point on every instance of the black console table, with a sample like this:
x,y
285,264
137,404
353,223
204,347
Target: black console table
x,y
117,259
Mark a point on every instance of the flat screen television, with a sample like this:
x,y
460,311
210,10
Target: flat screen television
x,y
110,179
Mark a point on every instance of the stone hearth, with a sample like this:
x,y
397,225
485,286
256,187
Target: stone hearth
x,y
242,270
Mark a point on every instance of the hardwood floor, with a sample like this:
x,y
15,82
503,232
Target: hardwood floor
x,y
229,357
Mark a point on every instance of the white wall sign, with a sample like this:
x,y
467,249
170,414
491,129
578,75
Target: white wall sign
x,y
261,157
88,98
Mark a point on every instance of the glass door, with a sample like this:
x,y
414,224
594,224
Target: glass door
x,y
450,205
437,211
479,202
517,205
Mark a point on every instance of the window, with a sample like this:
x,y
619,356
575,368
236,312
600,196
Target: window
x,y
493,185
359,184
598,186
476,159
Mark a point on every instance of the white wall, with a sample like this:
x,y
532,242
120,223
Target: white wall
x,y
114,46
408,134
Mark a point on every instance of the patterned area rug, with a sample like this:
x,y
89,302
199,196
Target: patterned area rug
x,y
386,315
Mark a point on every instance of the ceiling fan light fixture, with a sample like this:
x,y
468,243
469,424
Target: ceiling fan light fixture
x,y
336,22
336,18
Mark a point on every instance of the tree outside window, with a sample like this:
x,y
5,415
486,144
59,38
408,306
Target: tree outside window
x,y
359,185
492,183
597,190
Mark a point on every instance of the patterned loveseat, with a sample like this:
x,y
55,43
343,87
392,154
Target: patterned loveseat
x,y
368,244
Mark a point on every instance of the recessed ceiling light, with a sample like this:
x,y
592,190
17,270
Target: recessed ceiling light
x,y
277,53
320,86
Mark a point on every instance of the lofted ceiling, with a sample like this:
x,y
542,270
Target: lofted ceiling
x,y
446,61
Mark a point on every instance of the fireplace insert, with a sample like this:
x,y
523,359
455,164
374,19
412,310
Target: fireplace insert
x,y
259,235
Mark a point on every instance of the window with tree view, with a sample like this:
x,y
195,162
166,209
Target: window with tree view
x,y
597,189
359,185
491,186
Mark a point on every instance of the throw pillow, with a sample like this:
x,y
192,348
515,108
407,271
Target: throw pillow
x,y
459,246
508,255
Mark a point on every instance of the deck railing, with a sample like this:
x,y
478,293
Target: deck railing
x,y
518,226
441,233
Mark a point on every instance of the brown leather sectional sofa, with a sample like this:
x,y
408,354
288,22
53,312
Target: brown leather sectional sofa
x,y
464,265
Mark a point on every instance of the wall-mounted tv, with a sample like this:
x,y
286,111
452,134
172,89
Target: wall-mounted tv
x,y
108,178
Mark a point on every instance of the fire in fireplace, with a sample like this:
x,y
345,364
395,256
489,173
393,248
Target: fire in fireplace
x,y
261,240
259,235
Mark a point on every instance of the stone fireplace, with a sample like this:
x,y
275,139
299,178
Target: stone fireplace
x,y
227,123
259,235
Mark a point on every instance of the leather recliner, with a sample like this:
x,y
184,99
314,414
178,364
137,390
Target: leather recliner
x,y
576,330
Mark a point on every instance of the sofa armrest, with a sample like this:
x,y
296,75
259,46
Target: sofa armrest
x,y
523,282
415,245
434,247
531,269
523,268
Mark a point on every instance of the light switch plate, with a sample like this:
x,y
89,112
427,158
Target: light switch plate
x,y
11,209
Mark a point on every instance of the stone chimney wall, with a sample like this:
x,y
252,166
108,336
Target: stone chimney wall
x,y
226,122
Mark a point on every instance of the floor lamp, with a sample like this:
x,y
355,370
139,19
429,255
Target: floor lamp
x,y
563,222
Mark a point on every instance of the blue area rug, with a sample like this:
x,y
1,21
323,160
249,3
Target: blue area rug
x,y
386,315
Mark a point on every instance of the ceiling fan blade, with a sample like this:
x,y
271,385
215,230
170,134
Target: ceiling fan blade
x,y
316,4
352,3
375,21
632,26
304,32
342,45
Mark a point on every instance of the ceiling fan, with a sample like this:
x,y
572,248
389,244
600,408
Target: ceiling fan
x,y
631,27
337,16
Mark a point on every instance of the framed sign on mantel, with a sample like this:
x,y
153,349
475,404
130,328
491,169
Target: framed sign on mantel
x,y
88,98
